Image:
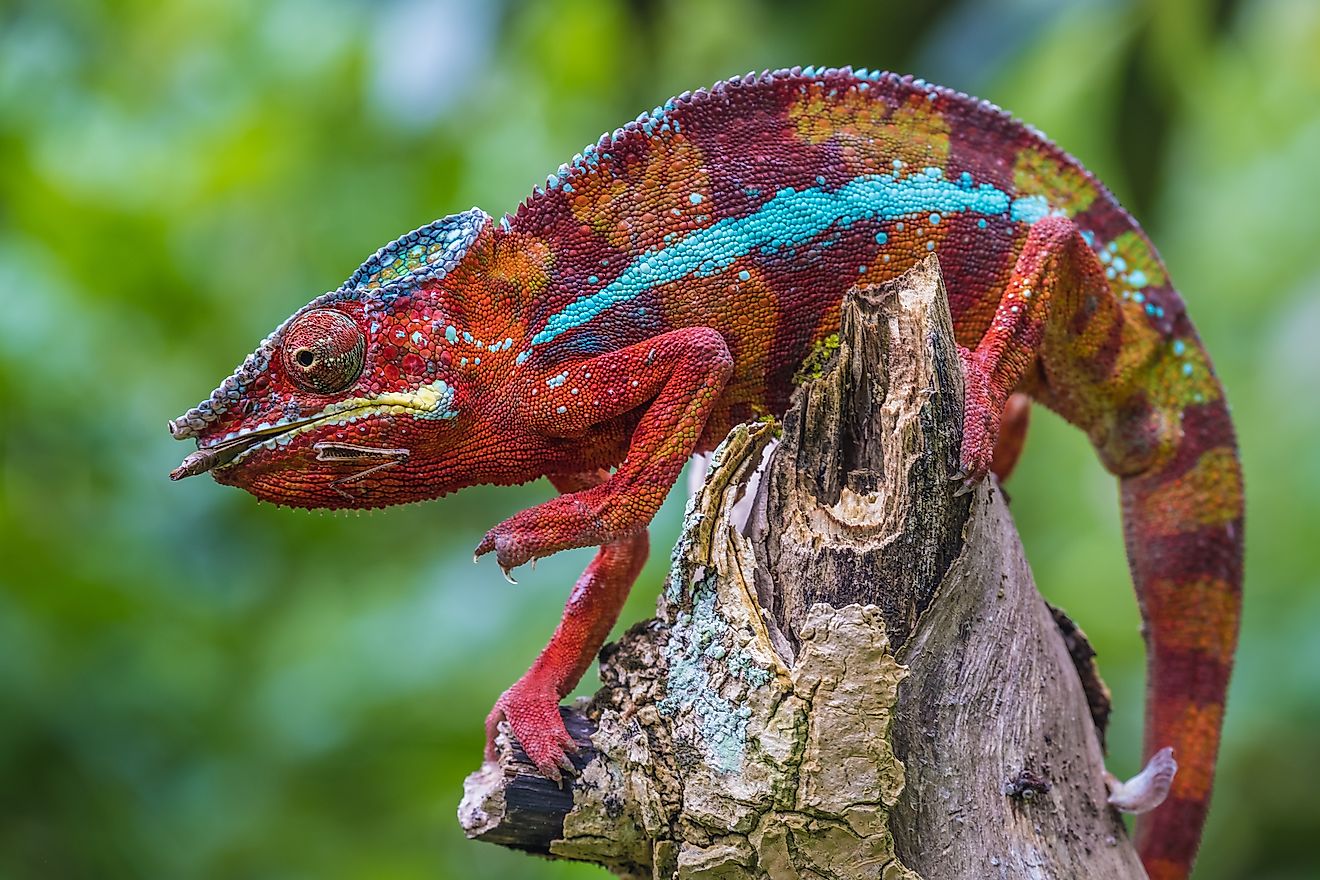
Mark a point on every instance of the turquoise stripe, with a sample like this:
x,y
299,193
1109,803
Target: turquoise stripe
x,y
789,219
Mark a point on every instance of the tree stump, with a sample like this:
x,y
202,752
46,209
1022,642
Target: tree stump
x,y
850,673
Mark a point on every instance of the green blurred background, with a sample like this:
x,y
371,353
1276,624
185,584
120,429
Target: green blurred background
x,y
192,685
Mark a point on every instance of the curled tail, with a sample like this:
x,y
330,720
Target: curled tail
x,y
1182,521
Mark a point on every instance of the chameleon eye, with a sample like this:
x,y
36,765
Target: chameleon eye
x,y
322,351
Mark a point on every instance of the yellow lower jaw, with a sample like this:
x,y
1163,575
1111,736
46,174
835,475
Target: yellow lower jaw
x,y
433,401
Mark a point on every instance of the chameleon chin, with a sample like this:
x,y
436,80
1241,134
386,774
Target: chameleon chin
x,y
667,283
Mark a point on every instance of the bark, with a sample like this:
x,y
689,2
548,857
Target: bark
x,y
850,673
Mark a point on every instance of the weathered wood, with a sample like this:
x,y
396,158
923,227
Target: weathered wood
x,y
1004,768
850,674
861,506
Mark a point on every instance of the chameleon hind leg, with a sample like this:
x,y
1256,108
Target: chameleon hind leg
x,y
531,705
1059,327
1051,281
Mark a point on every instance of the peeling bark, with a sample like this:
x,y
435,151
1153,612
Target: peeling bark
x,y
850,673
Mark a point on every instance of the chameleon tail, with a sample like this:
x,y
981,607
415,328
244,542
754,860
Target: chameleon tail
x,y
1183,522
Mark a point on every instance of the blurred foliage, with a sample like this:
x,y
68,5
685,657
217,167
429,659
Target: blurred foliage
x,y
192,685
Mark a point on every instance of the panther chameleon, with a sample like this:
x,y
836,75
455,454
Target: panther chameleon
x,y
667,284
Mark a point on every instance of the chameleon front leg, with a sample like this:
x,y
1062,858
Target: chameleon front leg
x,y
680,374
531,705
677,376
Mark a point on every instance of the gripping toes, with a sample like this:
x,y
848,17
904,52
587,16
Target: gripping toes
x,y
533,716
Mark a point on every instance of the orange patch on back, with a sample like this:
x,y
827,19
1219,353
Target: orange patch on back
x,y
915,133
1064,185
665,193
818,118
741,304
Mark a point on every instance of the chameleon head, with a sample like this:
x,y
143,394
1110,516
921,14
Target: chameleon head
x,y
357,399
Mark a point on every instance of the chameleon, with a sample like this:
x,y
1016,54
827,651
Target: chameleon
x,y
668,282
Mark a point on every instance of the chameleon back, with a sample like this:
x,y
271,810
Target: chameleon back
x,y
753,207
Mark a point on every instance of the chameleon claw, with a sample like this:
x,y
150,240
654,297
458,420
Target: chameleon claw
x,y
485,547
566,765
966,482
560,768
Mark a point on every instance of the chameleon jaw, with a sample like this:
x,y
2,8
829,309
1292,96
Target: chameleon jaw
x,y
432,402
221,454
211,457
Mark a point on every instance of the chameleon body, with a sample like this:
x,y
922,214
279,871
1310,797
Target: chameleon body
x,y
669,282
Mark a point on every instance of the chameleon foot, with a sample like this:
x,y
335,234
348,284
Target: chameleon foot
x,y
574,519
533,714
1148,789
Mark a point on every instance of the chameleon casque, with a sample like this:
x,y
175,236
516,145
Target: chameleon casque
x,y
667,284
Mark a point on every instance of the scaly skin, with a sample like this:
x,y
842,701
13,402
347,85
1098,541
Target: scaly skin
x,y
667,284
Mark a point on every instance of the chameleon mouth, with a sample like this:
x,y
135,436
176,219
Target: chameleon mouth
x,y
211,457
433,402
372,459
